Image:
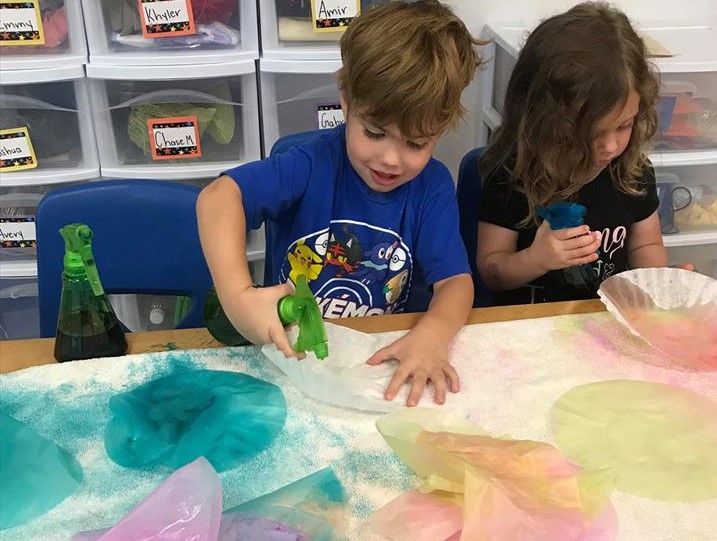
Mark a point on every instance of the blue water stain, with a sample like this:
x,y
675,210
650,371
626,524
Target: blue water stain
x,y
75,416
157,365
362,507
382,468
376,468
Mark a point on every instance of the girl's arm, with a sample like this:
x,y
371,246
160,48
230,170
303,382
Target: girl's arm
x,y
645,248
502,267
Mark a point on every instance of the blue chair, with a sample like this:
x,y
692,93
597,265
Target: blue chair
x,y
468,194
285,142
145,242
282,144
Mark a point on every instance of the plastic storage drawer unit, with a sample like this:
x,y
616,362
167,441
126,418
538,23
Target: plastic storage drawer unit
x,y
165,32
45,34
46,126
175,123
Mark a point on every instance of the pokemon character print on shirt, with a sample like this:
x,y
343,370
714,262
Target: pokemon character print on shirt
x,y
353,268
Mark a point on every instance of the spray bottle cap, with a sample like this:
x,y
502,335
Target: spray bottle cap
x,y
301,307
562,214
79,260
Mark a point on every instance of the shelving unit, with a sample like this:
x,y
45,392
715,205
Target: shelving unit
x,y
292,92
43,91
694,50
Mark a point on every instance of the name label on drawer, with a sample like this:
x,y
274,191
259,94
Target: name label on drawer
x,y
16,150
17,232
330,116
174,138
333,15
21,23
162,18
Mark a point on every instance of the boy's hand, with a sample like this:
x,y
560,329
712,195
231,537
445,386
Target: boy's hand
x,y
422,357
253,313
562,248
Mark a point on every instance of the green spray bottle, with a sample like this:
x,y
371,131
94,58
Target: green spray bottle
x,y
300,308
87,327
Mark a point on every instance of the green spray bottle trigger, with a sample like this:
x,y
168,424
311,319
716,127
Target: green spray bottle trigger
x,y
79,259
301,308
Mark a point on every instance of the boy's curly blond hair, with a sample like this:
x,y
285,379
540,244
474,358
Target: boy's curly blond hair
x,y
406,64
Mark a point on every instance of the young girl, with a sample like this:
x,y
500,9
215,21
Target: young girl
x,y
578,119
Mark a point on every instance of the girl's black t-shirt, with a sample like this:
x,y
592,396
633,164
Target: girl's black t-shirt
x,y
609,211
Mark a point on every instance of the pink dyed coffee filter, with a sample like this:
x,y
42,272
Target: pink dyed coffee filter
x,y
673,310
187,506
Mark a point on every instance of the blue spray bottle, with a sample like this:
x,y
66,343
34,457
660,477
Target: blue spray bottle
x,y
563,215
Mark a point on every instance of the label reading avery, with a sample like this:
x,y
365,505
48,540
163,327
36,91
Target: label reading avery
x,y
17,232
16,150
162,18
330,116
174,138
333,15
20,23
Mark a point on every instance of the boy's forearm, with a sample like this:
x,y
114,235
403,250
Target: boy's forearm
x,y
222,232
450,306
649,255
510,270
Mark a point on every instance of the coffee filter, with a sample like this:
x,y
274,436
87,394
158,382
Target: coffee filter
x,y
673,310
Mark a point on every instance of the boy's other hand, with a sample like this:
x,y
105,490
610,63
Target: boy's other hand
x,y
253,313
562,248
422,357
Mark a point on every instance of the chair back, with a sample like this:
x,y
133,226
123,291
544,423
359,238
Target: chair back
x,y
282,144
145,241
468,193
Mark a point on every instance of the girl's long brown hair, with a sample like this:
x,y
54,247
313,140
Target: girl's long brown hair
x,y
574,69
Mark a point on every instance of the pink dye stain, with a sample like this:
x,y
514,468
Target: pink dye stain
x,y
688,336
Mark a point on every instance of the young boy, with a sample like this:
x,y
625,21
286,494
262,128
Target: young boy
x,y
358,209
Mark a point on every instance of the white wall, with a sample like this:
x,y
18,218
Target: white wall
x,y
477,13
643,12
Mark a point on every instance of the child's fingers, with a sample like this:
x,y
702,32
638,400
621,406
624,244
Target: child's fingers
x,y
570,232
584,259
591,240
282,290
399,378
278,336
381,356
452,377
590,249
418,385
440,386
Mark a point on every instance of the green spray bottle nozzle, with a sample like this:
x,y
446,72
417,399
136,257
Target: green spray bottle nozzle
x,y
301,307
79,260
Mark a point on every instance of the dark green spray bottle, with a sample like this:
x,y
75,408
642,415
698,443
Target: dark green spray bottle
x,y
300,308
87,327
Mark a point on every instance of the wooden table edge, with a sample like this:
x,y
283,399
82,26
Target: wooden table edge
x,y
19,354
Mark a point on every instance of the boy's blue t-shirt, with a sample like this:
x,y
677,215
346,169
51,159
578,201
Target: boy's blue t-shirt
x,y
358,247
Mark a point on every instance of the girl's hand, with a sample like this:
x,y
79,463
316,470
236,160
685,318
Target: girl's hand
x,y
253,312
562,248
686,266
422,357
